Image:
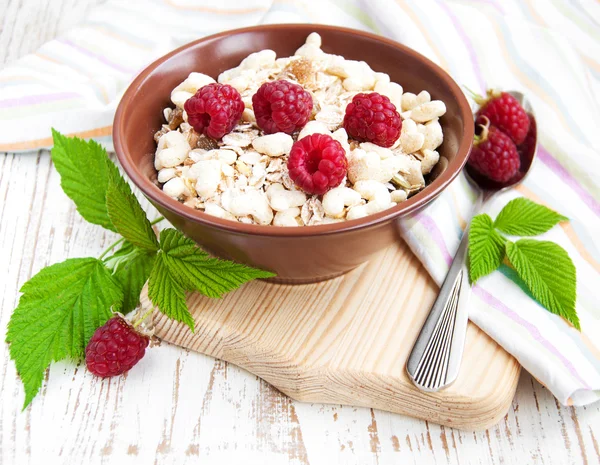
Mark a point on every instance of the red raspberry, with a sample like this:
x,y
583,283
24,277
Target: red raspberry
x,y
373,118
115,348
317,163
494,155
214,110
506,113
281,106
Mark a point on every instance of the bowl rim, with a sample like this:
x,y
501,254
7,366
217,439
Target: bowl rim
x,y
415,202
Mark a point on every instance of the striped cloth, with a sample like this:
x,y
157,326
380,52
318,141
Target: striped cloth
x,y
549,50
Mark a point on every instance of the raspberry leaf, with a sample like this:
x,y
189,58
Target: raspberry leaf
x,y
486,247
200,272
83,170
59,311
182,266
549,273
126,213
131,267
167,294
522,217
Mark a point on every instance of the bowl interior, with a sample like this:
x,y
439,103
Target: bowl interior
x,y
140,113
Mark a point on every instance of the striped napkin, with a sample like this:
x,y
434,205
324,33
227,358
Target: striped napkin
x,y
548,50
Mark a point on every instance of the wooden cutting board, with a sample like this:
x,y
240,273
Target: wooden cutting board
x,y
346,341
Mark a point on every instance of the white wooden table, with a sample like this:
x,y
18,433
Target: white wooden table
x,y
182,407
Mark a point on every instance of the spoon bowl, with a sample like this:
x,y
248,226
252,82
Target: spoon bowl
x,y
527,152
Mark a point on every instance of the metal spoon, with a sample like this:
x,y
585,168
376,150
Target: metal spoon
x,y
435,358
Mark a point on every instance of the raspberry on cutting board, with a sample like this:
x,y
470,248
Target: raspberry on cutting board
x,y
505,112
317,163
371,117
115,348
281,106
494,154
214,110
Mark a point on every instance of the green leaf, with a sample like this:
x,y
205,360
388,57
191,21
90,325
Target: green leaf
x,y
167,294
486,247
200,272
522,217
59,310
83,168
549,273
131,268
182,266
127,215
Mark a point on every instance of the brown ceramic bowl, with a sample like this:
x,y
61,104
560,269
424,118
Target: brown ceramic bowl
x,y
303,254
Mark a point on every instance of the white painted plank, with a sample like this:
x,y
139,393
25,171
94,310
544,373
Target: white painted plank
x,y
27,24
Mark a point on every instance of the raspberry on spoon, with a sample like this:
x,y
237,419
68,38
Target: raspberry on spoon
x,y
281,106
317,163
494,154
214,110
373,118
505,112
115,348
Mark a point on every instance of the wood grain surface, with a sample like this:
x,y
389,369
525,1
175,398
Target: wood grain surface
x,y
346,341
181,407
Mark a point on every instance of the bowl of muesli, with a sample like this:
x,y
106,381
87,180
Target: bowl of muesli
x,y
294,148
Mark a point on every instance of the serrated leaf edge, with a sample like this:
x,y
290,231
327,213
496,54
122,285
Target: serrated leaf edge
x,y
537,293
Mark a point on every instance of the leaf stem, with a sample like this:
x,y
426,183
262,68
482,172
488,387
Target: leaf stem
x,y
110,247
144,316
157,220
122,239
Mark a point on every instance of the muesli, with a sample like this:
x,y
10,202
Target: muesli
x,y
296,141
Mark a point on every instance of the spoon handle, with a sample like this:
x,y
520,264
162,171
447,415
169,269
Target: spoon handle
x,y
435,358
